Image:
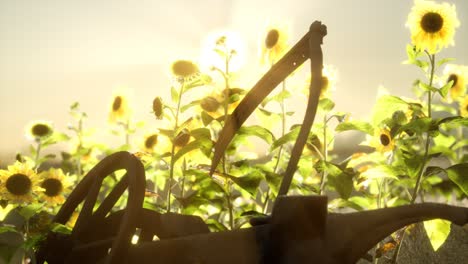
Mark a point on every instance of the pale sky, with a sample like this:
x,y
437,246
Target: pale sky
x,y
56,52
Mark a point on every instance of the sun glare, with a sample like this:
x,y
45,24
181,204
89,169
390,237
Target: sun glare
x,y
220,45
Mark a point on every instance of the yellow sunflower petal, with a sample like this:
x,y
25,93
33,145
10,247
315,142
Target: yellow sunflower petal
x,y
459,75
432,25
55,184
19,183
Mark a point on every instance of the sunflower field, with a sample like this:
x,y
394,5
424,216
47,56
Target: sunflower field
x,y
415,148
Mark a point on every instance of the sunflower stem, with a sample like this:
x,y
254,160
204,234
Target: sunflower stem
x,y
280,150
226,115
38,150
426,153
325,155
171,168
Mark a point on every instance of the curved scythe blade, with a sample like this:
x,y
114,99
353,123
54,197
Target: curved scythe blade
x,y
285,66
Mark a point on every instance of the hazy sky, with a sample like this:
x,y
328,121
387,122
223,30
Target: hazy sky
x,y
56,52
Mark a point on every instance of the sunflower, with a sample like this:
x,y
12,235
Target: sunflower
x,y
329,79
150,142
19,183
119,108
273,43
383,141
184,70
39,129
432,25
458,74
54,184
464,106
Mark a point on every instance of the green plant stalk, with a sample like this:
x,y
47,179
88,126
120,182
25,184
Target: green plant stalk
x,y
227,186
460,136
280,151
426,153
127,132
38,150
171,168
428,138
325,155
184,168
80,143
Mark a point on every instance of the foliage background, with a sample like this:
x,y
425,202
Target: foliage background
x,y
83,50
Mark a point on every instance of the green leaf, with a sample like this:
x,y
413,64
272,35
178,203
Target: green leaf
x,y
288,137
424,65
411,52
454,121
355,125
201,143
383,171
326,104
458,174
433,170
437,230
59,228
249,182
273,180
197,81
206,118
419,126
385,107
189,105
282,95
413,163
8,228
30,210
426,87
341,180
174,94
213,224
360,203
56,137
201,133
444,60
256,131
443,91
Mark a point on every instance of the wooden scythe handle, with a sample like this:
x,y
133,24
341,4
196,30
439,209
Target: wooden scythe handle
x,y
307,47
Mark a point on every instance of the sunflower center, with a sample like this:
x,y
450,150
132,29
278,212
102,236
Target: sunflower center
x,y
184,68
151,141
40,130
53,187
271,38
18,184
432,22
384,139
454,78
117,103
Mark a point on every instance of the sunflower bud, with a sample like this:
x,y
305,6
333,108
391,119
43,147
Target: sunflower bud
x,y
271,38
399,117
158,107
182,138
209,104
